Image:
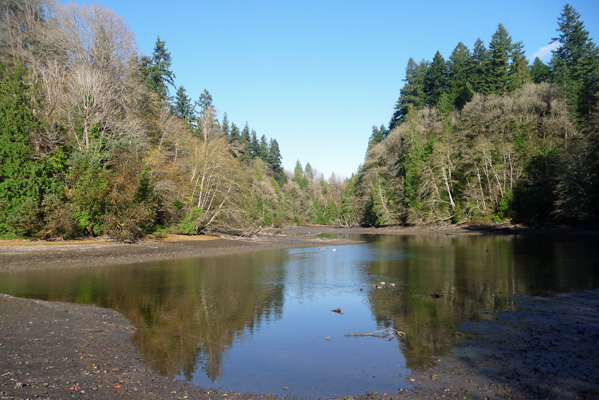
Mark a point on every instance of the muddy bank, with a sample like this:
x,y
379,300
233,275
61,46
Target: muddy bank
x,y
25,255
544,349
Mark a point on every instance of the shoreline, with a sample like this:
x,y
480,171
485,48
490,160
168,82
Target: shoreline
x,y
60,350
27,255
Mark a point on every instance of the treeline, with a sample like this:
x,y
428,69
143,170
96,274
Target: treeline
x,y
93,143
485,136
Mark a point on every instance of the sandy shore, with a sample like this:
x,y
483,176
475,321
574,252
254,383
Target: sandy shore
x,y
544,349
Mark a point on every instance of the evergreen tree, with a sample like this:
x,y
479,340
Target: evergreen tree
x,y
274,160
22,177
234,135
519,71
435,80
224,126
254,145
299,177
156,70
539,71
263,148
480,68
412,93
460,89
207,123
182,105
500,49
205,100
575,64
308,171
377,136
245,140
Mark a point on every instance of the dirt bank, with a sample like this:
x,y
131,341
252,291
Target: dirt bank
x,y
27,255
544,349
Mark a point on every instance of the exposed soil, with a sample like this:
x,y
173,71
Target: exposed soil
x,y
31,255
547,348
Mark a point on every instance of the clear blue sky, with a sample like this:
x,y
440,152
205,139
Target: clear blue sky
x,y
316,75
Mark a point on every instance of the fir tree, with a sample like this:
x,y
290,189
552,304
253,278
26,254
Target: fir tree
x,y
224,126
22,177
412,93
263,148
519,71
575,64
156,70
460,89
234,135
274,160
539,71
254,145
377,136
183,107
500,49
480,68
435,80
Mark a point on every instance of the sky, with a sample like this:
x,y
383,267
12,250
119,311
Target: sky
x,y
316,75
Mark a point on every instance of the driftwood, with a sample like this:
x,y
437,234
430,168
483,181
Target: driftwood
x,y
384,334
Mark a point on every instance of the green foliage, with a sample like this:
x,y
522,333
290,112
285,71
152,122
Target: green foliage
x,y
24,180
539,71
413,92
156,70
575,64
189,225
435,80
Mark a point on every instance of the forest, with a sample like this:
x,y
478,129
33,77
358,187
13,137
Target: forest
x,y
96,139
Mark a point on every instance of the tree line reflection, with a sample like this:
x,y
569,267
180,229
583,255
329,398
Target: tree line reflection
x,y
190,313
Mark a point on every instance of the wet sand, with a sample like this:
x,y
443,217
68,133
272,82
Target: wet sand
x,y
544,349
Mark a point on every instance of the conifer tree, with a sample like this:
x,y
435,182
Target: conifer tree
x,y
274,160
435,80
500,49
519,71
182,105
156,70
412,93
224,126
377,136
254,145
21,175
539,71
234,134
479,68
263,148
460,89
575,64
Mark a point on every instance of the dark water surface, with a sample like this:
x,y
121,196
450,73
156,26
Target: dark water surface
x,y
262,322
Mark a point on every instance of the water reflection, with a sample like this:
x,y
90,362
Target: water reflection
x,y
263,321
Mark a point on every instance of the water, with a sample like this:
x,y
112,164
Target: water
x,y
262,322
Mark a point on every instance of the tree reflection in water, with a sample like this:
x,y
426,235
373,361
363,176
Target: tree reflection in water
x,y
190,314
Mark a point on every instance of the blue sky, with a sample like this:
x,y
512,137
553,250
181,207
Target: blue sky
x,y
317,75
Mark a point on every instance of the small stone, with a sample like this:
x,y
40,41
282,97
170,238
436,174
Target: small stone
x,y
435,377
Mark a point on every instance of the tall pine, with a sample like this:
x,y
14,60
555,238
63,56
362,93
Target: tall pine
x,y
435,80
412,93
500,49
575,64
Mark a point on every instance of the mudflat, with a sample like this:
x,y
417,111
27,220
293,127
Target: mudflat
x,y
545,348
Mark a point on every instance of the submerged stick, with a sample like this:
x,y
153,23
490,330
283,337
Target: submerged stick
x,y
384,333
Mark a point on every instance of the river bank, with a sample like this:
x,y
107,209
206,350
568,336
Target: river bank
x,y
543,349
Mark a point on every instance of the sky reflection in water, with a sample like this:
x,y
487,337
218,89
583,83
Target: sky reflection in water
x,y
261,322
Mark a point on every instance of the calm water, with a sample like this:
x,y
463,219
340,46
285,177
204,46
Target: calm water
x,y
263,321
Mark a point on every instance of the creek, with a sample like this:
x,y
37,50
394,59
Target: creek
x,y
263,322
